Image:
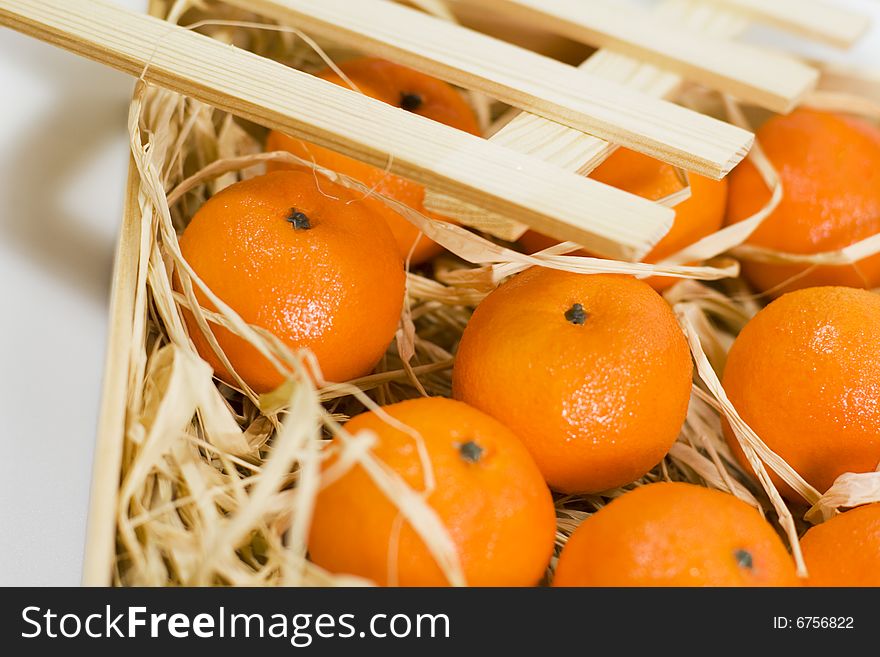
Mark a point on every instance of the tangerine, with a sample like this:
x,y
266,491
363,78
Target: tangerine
x,y
592,372
412,91
695,217
845,551
804,374
829,166
316,270
489,495
675,534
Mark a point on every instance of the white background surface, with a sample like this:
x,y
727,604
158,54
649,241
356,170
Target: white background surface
x,y
63,163
63,159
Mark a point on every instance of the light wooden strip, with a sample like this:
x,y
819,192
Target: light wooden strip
x,y
106,467
574,150
754,75
520,78
815,19
507,29
582,153
863,82
539,194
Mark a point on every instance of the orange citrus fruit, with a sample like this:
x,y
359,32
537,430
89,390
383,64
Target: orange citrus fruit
x,y
804,373
592,372
675,534
317,271
489,495
695,217
413,91
845,551
829,166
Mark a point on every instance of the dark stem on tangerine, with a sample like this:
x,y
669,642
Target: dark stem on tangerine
x,y
576,314
410,101
299,220
470,451
744,559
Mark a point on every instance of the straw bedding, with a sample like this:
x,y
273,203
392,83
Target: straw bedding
x,y
218,483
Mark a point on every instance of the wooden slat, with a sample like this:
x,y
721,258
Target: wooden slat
x,y
814,19
863,82
539,194
536,136
520,78
755,75
508,29
574,150
100,549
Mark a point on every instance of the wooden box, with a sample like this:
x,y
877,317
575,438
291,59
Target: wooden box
x,y
198,484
